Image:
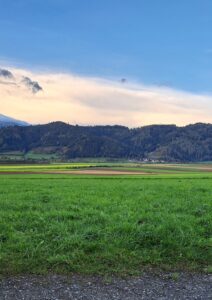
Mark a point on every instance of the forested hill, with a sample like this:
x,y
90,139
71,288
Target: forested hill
x,y
156,142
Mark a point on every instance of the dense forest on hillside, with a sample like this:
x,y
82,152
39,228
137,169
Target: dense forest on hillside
x,y
155,142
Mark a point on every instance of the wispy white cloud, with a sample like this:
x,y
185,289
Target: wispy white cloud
x,y
86,100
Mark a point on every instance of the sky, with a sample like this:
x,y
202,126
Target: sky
x,y
129,62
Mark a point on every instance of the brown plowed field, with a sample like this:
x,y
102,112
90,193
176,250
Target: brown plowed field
x,y
103,172
79,172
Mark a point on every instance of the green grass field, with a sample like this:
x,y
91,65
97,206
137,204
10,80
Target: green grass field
x,y
105,224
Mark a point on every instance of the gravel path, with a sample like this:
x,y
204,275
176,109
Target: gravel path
x,y
164,286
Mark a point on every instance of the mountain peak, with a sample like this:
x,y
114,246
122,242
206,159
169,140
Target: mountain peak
x,y
6,121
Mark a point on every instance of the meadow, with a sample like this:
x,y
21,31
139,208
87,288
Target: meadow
x,y
88,224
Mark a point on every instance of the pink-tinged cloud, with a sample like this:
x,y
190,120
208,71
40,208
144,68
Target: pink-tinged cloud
x,y
86,100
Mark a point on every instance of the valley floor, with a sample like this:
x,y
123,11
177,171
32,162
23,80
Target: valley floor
x,y
105,223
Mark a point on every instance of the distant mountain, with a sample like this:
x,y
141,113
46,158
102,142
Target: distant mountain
x,y
7,121
156,142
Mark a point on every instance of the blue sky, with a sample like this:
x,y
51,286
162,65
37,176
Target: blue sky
x,y
159,42
78,51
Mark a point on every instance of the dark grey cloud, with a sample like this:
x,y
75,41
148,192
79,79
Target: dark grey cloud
x,y
6,74
32,85
8,78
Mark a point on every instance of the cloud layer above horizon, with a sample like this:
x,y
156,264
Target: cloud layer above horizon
x,y
89,101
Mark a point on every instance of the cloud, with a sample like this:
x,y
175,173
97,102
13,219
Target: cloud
x,y
6,74
88,100
32,85
9,79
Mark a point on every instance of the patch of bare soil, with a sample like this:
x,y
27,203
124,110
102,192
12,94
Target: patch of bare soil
x,y
80,172
103,172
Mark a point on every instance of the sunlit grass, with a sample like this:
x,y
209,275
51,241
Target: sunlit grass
x,y
60,223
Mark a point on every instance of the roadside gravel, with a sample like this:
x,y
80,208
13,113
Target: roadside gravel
x,y
148,286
